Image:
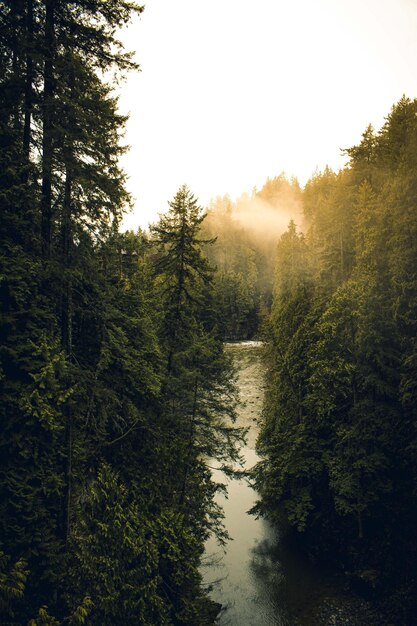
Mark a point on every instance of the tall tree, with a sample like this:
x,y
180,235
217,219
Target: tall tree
x,y
198,388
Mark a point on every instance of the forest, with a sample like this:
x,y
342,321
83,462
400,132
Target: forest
x,y
338,440
114,383
115,386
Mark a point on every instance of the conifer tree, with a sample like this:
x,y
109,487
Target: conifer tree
x,y
198,396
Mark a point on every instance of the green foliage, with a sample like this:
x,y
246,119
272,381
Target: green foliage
x,y
338,440
77,618
13,579
115,556
101,519
44,618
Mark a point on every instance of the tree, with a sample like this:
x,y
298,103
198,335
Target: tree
x,y
290,441
198,395
183,269
115,556
60,183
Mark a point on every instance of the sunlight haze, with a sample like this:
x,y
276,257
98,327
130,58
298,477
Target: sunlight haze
x,y
232,92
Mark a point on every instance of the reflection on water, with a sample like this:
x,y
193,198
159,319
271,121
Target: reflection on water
x,y
285,580
245,577
262,579
258,579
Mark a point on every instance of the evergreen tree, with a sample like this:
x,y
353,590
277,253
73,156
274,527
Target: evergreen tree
x,y
198,388
290,440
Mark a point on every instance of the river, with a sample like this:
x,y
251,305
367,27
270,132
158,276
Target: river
x,y
261,578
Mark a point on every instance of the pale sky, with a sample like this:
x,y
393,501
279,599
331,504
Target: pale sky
x,y
234,91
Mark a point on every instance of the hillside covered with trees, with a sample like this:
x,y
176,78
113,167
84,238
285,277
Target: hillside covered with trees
x,y
339,435
114,384
245,234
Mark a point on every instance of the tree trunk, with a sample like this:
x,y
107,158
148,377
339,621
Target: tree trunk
x,y
360,524
66,298
28,89
342,258
47,145
190,445
15,14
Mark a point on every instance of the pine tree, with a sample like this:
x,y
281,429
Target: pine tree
x,y
197,408
290,440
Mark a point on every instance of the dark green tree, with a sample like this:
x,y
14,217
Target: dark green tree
x,y
198,400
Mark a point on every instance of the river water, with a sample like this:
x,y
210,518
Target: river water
x,y
260,578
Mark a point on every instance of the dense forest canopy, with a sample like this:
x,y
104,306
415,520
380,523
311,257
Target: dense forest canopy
x,y
339,435
116,390
114,384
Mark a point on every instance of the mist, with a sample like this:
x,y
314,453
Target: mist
x,y
268,220
264,215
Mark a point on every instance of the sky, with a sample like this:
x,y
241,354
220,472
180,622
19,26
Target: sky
x,y
232,92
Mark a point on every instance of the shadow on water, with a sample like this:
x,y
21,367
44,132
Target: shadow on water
x,y
261,579
287,584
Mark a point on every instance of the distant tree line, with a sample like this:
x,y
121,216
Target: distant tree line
x,y
339,439
114,386
245,233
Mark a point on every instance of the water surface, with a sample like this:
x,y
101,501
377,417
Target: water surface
x,y
262,578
